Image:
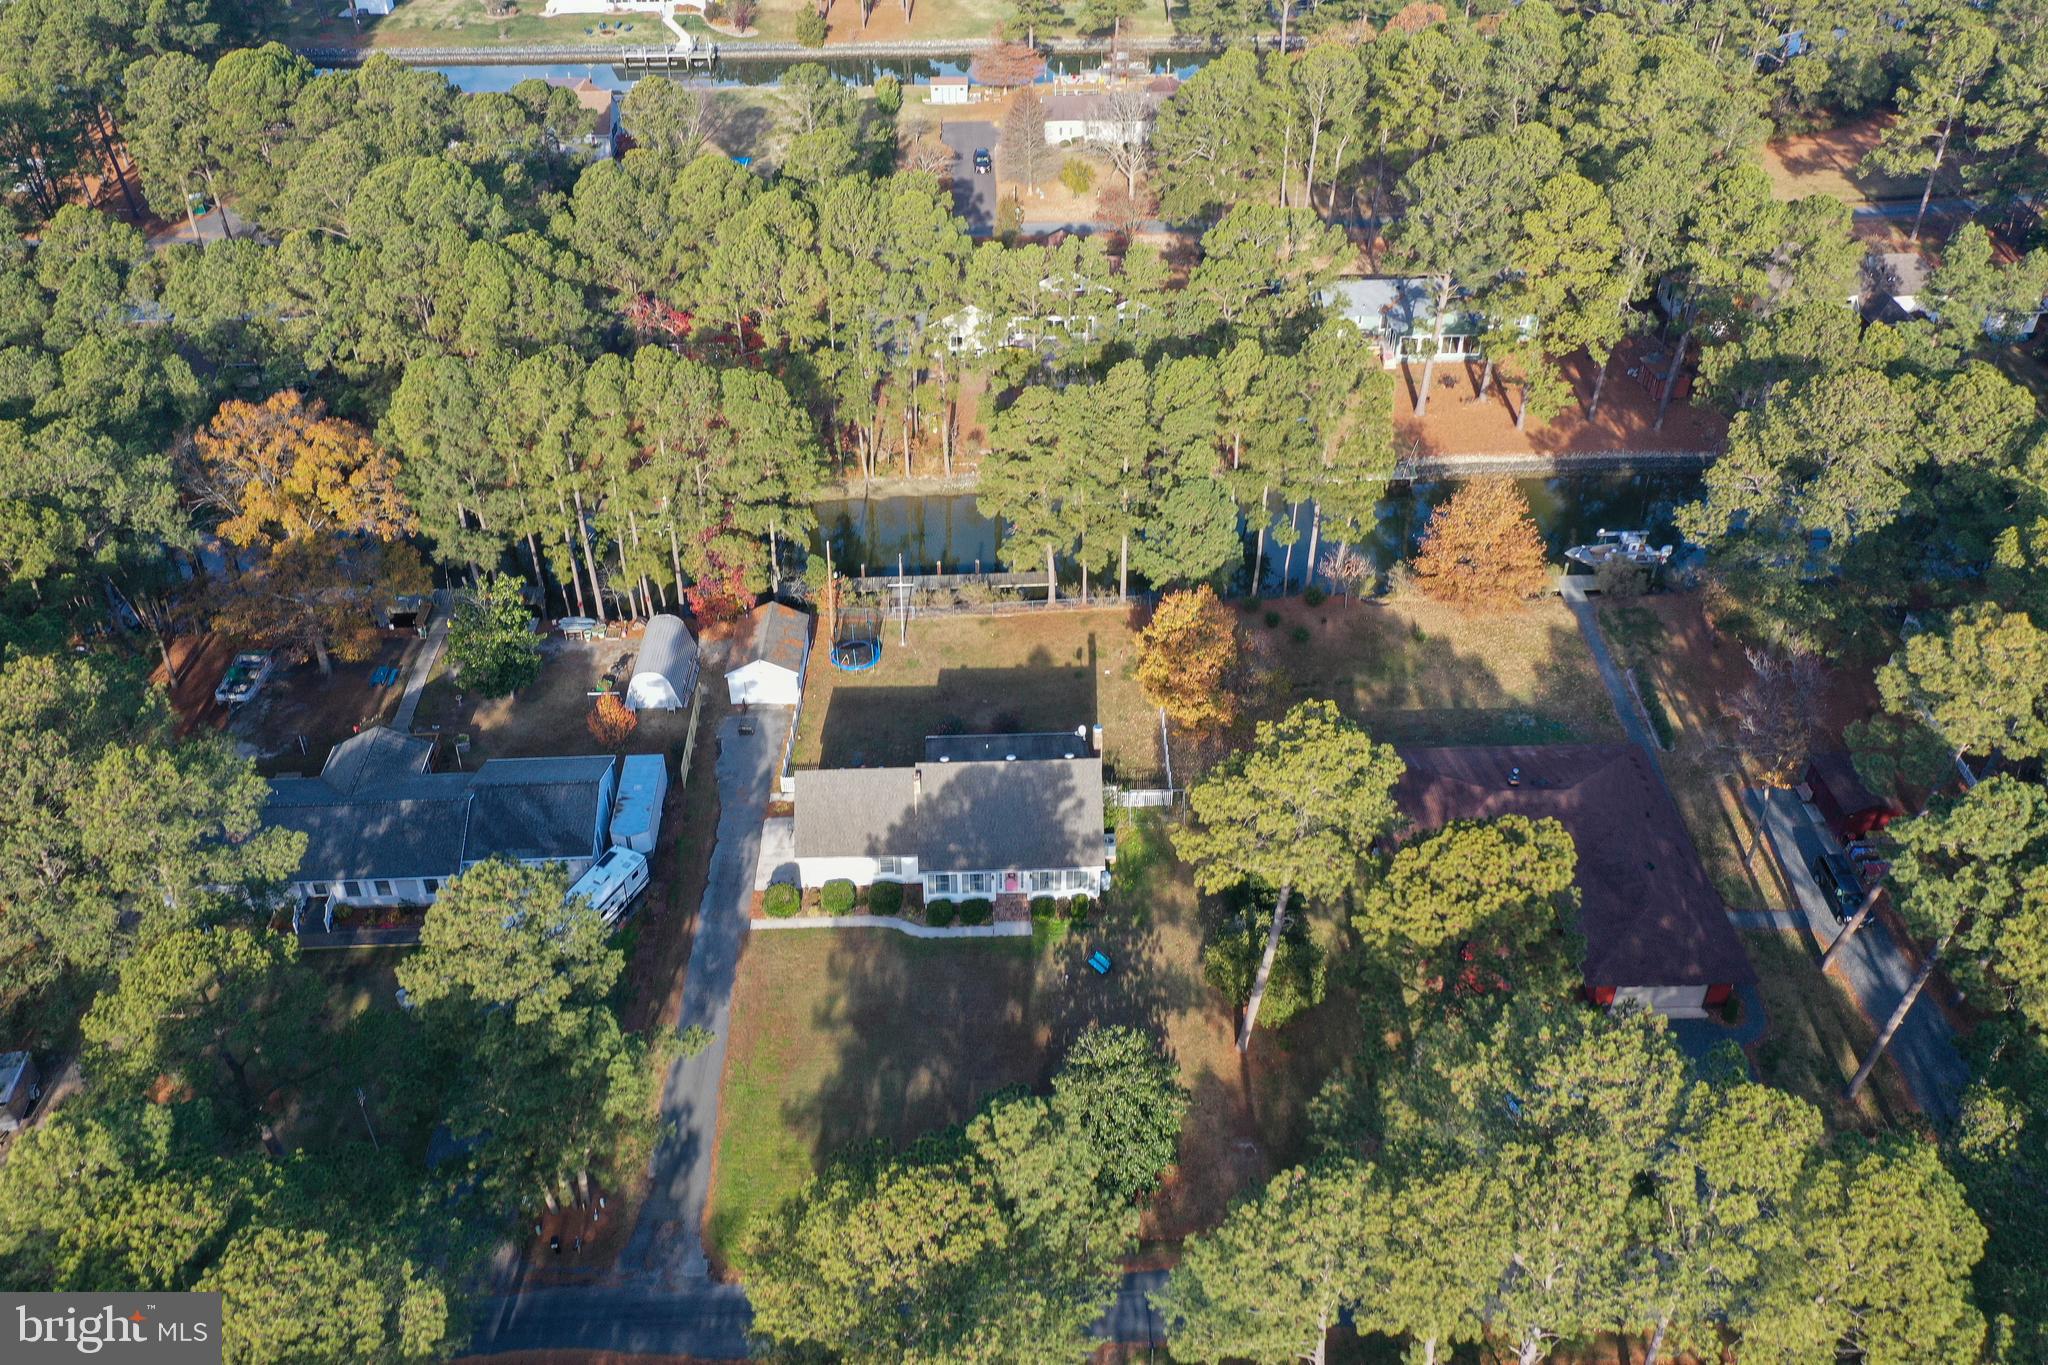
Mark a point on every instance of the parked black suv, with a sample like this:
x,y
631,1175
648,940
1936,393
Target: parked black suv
x,y
1838,884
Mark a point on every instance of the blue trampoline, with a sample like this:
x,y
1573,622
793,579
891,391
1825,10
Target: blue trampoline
x,y
857,639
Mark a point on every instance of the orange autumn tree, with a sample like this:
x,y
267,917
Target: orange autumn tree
x,y
1189,660
612,722
1482,551
316,504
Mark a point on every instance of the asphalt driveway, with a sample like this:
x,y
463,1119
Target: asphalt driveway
x,y
667,1240
974,196
1872,965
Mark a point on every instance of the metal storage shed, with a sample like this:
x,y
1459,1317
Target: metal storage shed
x,y
666,670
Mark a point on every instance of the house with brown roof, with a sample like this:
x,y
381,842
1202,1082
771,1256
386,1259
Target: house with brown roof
x,y
1656,930
1024,825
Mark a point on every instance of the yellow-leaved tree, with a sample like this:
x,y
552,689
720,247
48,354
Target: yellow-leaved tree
x,y
1189,660
315,505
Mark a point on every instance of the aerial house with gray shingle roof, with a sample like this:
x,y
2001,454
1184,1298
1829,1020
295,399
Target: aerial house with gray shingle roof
x,y
382,830
972,827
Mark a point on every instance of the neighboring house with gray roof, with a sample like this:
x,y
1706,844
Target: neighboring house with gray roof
x,y
382,830
973,827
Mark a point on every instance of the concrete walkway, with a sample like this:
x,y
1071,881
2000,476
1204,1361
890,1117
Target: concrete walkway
x,y
1628,709
1006,929
423,665
1876,972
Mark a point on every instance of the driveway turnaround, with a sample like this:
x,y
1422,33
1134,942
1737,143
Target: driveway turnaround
x,y
1872,966
974,196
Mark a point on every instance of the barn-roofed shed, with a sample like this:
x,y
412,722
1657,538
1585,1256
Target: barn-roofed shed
x,y
666,672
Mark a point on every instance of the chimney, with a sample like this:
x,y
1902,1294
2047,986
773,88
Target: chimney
x,y
1096,739
916,787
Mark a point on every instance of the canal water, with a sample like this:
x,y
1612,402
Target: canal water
x,y
735,74
948,531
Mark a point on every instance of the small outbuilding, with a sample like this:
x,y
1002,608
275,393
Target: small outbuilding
x,y
771,671
1851,809
665,674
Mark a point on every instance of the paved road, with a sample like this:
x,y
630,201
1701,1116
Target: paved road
x,y
707,1321
210,230
1132,1318
1872,965
974,196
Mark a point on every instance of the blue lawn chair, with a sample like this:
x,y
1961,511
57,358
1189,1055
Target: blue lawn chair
x,y
1099,960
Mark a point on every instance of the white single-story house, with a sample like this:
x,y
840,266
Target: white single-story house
x,y
773,655
1399,314
950,90
1092,117
965,332
973,827
382,830
665,672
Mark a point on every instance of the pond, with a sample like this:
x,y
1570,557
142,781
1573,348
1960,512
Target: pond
x,y
948,532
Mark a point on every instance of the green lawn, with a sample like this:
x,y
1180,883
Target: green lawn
x,y
845,1035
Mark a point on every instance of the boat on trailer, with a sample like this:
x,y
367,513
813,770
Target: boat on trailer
x,y
1629,547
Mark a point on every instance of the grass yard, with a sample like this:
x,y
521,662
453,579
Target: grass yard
x,y
364,1040
980,675
1410,670
1818,1037
1415,672
1830,162
846,1035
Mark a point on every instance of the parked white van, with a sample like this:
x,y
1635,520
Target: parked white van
x,y
612,882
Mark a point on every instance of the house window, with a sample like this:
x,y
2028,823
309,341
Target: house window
x,y
383,888
1041,881
352,889
976,883
432,885
888,867
943,883
1080,879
